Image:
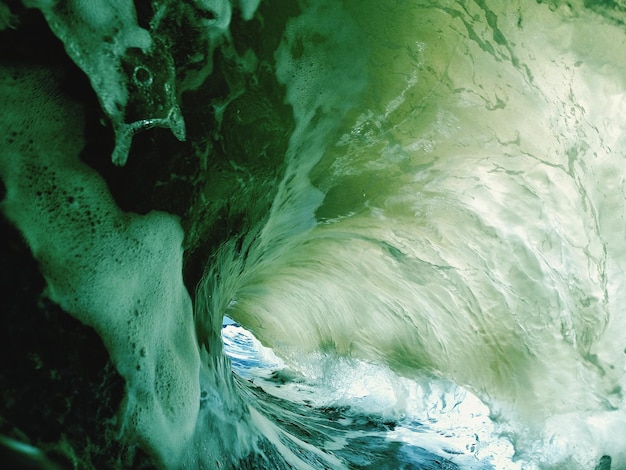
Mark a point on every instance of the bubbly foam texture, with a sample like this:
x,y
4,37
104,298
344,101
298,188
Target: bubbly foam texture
x,y
311,58
453,205
98,37
83,27
321,89
117,272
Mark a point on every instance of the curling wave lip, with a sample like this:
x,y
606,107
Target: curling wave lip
x,y
125,132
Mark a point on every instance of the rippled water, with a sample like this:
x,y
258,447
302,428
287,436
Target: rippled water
x,y
439,273
451,212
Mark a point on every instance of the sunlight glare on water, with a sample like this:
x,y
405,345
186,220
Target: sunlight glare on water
x,y
433,415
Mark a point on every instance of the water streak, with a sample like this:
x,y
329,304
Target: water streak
x,y
472,199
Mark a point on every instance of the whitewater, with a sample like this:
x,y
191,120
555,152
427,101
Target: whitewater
x,y
453,210
437,282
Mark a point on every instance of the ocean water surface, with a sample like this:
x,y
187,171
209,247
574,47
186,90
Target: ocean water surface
x,y
433,277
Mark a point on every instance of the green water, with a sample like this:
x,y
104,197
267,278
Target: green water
x,y
431,188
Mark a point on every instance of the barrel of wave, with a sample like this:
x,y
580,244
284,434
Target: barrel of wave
x,y
468,227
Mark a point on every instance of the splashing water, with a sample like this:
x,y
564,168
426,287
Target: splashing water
x,y
438,276
452,210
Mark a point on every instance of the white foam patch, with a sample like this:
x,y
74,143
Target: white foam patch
x,y
83,27
248,8
117,272
312,57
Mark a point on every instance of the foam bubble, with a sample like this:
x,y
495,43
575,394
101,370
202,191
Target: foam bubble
x,y
117,272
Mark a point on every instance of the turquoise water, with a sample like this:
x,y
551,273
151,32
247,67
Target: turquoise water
x,y
439,264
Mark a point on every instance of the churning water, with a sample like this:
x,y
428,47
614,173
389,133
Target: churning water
x,y
439,276
442,267
441,270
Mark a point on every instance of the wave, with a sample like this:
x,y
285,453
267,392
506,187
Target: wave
x,y
447,212
431,275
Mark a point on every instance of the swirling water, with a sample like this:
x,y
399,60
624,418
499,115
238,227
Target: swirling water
x,y
365,414
438,276
441,269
